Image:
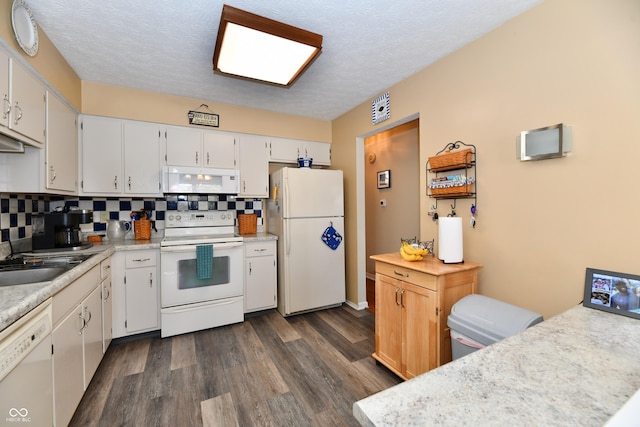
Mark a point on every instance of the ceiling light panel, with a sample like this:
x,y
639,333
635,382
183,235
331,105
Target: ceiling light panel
x,y
258,48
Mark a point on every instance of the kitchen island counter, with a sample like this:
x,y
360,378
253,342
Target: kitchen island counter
x,y
577,368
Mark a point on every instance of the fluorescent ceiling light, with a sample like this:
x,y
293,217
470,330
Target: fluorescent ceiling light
x,y
258,48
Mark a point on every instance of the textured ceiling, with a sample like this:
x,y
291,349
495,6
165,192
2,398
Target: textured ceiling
x,y
167,46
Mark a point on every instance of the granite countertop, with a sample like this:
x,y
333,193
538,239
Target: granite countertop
x,y
577,368
258,237
18,300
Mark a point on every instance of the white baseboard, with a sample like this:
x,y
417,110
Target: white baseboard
x,y
361,306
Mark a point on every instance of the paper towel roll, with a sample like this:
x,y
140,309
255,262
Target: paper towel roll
x,y
450,239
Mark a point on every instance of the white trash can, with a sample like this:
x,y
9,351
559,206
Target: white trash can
x,y
477,321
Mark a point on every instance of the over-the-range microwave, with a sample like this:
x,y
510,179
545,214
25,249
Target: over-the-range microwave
x,y
183,179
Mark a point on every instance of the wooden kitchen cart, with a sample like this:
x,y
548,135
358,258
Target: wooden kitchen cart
x,y
413,301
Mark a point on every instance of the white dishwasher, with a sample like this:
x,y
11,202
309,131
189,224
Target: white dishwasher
x,y
26,386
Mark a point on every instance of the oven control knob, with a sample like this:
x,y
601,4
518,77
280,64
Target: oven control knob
x,y
178,217
223,216
170,217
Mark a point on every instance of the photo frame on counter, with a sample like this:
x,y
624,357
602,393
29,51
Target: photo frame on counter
x,y
384,179
613,292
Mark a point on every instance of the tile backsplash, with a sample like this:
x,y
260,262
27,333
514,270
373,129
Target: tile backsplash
x,y
16,210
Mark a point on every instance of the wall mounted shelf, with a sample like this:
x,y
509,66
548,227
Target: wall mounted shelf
x,y
455,156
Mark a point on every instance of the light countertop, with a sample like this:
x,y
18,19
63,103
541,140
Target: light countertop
x,y
16,301
576,368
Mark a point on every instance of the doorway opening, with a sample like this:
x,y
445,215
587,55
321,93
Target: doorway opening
x,y
392,193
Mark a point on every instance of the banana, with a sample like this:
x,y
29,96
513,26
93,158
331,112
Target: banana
x,y
410,250
407,256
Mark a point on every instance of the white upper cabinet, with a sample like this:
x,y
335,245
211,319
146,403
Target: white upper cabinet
x,y
61,167
200,148
219,150
23,101
120,156
284,150
4,88
28,104
254,166
101,148
142,172
184,146
320,152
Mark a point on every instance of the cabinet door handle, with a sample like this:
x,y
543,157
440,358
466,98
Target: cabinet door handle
x,y
141,259
402,297
397,292
115,182
7,110
89,319
81,322
19,113
151,280
397,273
129,182
52,174
250,269
208,158
105,290
196,157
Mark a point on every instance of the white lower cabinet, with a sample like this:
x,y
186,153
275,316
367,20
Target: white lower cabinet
x,y
136,292
107,304
76,341
260,275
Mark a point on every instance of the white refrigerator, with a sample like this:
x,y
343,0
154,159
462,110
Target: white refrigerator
x,y
306,211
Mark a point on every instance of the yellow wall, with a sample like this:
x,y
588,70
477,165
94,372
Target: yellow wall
x,y
112,101
540,224
47,62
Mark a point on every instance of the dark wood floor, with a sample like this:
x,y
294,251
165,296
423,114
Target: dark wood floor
x,y
304,370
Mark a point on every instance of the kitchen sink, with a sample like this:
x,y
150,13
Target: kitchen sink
x,y
28,269
31,275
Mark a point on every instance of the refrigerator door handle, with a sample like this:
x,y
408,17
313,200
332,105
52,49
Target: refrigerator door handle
x,y
287,234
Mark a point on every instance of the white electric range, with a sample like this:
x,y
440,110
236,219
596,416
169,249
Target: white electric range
x,y
201,261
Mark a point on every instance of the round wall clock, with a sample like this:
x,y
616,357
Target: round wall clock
x,y
24,27
380,109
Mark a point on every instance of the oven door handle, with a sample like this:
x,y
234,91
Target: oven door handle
x,y
192,248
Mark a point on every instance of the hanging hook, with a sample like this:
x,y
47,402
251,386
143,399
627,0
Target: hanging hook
x,y
453,208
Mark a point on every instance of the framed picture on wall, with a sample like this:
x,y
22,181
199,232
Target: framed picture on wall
x,y
384,179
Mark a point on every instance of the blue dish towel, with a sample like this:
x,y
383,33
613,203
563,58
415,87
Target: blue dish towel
x,y
204,261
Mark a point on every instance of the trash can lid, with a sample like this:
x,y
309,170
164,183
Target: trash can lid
x,y
487,320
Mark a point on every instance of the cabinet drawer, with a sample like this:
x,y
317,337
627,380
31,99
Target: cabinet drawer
x,y
412,276
105,268
72,295
259,249
140,259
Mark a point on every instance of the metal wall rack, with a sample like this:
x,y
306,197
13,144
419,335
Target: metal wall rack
x,y
454,156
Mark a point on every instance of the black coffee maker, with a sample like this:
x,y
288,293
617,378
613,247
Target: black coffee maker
x,y
59,230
